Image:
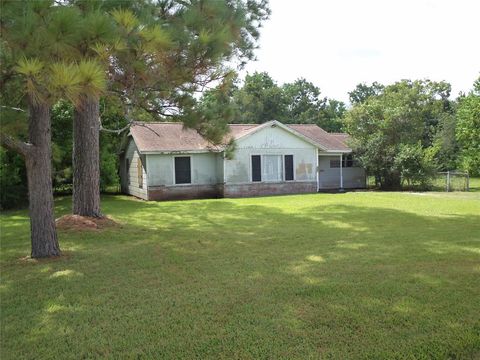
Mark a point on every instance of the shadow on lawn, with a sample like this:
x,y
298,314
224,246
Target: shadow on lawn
x,y
358,271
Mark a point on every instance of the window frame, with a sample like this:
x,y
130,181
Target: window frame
x,y
336,160
174,170
283,177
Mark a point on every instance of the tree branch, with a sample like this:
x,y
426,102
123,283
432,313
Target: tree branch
x,y
18,146
12,108
114,131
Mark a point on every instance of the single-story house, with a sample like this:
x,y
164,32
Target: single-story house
x,y
167,161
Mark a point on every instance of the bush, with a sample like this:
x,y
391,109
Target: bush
x,y
13,180
415,165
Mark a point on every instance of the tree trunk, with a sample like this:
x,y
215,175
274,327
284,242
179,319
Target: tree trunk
x,y
391,181
39,173
86,158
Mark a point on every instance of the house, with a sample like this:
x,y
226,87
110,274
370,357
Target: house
x,y
166,161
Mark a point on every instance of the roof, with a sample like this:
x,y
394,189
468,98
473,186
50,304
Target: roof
x,y
167,136
173,136
329,141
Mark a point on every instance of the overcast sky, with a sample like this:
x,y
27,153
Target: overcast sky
x,y
337,44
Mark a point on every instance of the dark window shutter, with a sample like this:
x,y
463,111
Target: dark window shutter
x,y
182,170
288,167
256,168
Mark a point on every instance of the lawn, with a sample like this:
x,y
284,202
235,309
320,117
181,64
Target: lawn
x,y
338,276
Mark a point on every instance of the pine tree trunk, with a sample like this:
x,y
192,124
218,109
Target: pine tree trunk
x,y
86,158
39,173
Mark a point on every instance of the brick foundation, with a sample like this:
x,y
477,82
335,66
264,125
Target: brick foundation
x,y
259,189
184,192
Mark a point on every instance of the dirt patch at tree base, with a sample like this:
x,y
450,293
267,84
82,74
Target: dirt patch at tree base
x,y
77,222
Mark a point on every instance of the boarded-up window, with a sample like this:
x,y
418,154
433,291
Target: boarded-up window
x,y
183,174
256,168
288,167
140,172
127,170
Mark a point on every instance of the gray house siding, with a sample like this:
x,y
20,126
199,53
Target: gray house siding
x,y
129,177
204,177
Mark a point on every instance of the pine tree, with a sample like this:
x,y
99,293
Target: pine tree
x,y
42,64
158,55
32,79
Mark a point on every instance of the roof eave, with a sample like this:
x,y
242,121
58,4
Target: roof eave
x,y
170,151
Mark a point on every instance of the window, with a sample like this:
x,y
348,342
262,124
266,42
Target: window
x,y
183,173
127,169
256,168
272,168
335,163
288,167
268,168
140,172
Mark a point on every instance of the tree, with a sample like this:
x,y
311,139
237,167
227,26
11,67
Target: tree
x,y
162,54
381,125
445,145
260,99
468,133
415,164
304,104
334,111
38,40
363,91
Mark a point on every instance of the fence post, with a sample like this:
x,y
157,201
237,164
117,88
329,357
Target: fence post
x,y
468,182
448,181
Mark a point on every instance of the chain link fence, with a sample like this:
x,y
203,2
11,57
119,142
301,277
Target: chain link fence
x,y
441,181
451,181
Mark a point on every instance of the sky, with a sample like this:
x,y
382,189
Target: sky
x,y
337,44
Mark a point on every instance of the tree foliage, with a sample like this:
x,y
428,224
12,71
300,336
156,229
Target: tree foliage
x,y
387,127
261,99
468,133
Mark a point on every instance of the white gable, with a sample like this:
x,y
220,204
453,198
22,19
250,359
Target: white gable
x,y
273,137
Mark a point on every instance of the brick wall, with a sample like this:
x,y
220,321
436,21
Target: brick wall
x,y
239,190
259,189
184,192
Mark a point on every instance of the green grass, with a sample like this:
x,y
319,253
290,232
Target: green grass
x,y
475,184
336,276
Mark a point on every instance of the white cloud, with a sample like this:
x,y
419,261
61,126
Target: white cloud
x,y
338,44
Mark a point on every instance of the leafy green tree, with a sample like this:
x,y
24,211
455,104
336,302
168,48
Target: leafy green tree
x,y
260,99
415,165
363,91
445,146
304,104
333,116
468,133
383,123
